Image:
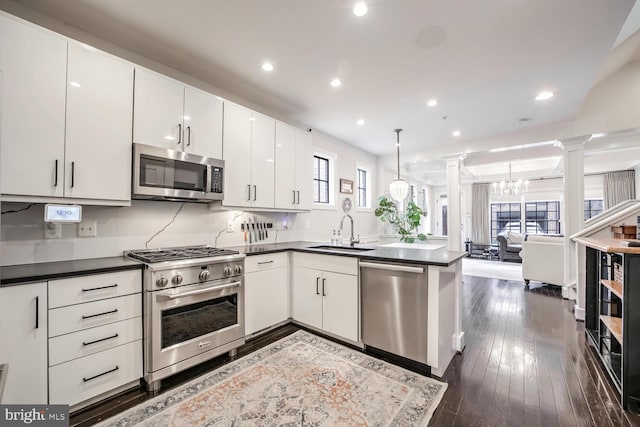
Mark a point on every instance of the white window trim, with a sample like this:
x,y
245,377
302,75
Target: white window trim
x,y
331,206
369,201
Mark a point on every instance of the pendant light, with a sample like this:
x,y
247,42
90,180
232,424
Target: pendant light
x,y
398,188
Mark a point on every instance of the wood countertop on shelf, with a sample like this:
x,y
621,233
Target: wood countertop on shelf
x,y
607,245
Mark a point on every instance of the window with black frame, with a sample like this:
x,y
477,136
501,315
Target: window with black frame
x,y
320,179
542,217
361,187
504,217
593,207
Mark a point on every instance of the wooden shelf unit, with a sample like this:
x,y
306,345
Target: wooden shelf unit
x,y
612,312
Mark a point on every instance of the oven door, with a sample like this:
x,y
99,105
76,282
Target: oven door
x,y
187,321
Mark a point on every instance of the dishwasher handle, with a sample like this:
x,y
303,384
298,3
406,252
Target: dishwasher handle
x,y
392,267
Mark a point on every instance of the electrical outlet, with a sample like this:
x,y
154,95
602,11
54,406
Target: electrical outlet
x,y
87,229
52,231
230,226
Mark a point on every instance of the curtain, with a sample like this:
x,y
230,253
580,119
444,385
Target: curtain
x,y
480,221
618,187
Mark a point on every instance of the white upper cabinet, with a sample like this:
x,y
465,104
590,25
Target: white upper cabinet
x,y
33,63
169,114
248,145
98,137
293,174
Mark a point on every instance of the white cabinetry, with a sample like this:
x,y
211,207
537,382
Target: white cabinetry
x,y
325,293
66,118
294,166
23,328
95,336
33,62
98,133
172,115
266,290
248,152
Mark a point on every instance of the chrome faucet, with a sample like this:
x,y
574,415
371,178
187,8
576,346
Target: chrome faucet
x,y
352,240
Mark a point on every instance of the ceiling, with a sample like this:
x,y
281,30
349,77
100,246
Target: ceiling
x,y
483,61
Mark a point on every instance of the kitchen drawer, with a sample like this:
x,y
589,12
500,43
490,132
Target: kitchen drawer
x,y
77,290
83,343
81,379
64,320
337,264
265,262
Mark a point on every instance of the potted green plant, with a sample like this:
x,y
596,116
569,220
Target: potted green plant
x,y
406,223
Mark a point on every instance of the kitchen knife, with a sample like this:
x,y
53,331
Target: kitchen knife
x,y
266,231
245,232
249,231
253,228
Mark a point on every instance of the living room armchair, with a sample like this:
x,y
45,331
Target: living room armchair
x,y
510,245
543,259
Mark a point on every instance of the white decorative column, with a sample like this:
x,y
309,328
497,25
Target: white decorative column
x,y
454,241
573,216
454,210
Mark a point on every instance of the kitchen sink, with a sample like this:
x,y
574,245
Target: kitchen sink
x,y
342,248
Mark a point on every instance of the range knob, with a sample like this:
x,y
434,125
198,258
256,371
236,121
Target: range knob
x,y
227,271
204,275
177,279
162,282
237,269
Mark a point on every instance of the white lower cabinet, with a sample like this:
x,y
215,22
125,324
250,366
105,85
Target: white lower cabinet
x,y
325,293
81,379
95,336
266,291
23,343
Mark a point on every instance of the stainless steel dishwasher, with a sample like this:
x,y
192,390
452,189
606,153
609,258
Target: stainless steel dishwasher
x,y
394,301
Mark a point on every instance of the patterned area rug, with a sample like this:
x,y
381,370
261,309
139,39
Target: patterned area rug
x,y
301,380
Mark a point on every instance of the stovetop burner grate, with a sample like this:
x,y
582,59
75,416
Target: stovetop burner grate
x,y
178,254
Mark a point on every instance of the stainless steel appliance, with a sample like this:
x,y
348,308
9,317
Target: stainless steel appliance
x,y
193,307
394,308
159,173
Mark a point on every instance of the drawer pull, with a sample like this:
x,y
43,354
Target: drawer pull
x,y
265,262
100,288
100,340
99,375
100,314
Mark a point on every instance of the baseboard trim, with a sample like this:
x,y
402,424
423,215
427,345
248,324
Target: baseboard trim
x,y
578,313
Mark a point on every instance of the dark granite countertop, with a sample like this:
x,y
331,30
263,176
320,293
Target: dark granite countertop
x,y
38,272
440,257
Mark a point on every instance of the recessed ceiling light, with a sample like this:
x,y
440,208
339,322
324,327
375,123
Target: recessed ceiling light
x,y
432,102
253,119
360,122
360,9
456,133
544,95
75,84
267,66
597,135
336,83
169,138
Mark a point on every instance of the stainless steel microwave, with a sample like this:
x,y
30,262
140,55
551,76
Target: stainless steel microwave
x,y
163,174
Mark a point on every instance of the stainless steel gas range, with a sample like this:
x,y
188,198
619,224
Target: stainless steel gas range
x,y
193,307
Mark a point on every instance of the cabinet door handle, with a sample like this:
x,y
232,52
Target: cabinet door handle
x,y
100,288
179,134
255,192
99,375
100,314
265,262
249,192
294,196
73,173
298,192
317,284
37,312
100,340
323,280
188,136
55,180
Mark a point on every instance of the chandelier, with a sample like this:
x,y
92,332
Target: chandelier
x,y
510,187
399,187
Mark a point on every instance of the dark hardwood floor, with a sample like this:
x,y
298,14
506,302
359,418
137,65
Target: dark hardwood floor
x,y
525,364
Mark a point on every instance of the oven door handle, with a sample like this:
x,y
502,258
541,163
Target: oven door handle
x,y
200,291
